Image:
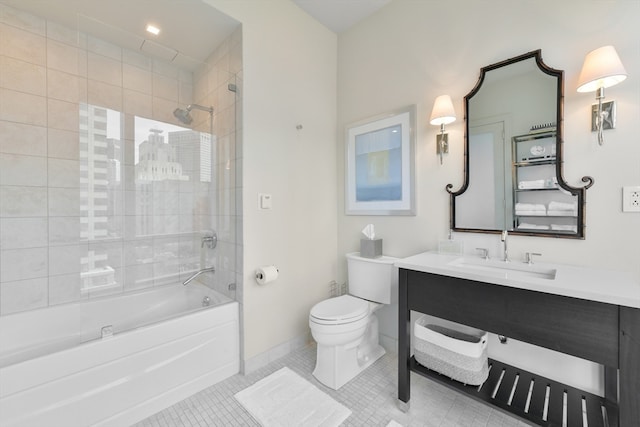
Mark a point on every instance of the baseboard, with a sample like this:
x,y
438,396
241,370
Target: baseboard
x,y
274,353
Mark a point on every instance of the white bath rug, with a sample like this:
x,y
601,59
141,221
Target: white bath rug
x,y
394,423
286,399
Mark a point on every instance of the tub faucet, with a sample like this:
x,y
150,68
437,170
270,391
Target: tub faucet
x,y
503,238
197,273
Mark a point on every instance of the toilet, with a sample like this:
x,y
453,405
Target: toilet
x,y
345,327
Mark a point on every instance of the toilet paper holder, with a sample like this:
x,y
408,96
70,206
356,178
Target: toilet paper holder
x,y
266,274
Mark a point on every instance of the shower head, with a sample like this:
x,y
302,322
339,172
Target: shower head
x,y
185,117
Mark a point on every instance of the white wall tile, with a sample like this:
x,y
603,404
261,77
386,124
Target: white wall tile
x,y
63,34
105,95
137,103
17,169
63,115
64,173
16,233
165,87
19,138
64,202
111,252
64,230
137,79
104,48
138,251
138,277
23,295
21,44
66,87
66,259
63,57
63,144
22,76
130,57
22,20
165,69
40,196
22,107
115,287
20,264
18,201
65,288
105,70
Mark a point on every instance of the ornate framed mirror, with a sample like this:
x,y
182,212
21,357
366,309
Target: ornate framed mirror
x,y
513,177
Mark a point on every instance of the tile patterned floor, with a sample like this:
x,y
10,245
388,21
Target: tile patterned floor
x,y
371,397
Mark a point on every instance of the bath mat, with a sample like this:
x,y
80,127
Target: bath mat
x,y
286,399
394,423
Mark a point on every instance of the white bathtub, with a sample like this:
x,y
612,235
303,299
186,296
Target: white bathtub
x,y
56,369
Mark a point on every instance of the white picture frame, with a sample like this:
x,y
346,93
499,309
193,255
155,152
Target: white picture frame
x,y
380,164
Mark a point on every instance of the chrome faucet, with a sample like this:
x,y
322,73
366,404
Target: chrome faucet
x,y
197,273
503,239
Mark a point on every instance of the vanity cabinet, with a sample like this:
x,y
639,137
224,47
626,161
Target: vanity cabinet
x,y
606,333
540,203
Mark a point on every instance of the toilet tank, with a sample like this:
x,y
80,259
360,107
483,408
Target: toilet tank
x,y
374,279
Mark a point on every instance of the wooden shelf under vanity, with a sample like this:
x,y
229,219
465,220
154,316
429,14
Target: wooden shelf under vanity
x,y
533,397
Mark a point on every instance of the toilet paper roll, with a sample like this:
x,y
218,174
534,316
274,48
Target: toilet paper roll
x,y
266,274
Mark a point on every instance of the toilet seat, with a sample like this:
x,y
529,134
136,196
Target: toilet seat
x,y
339,310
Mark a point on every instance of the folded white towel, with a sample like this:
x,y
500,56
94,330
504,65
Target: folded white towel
x,y
561,206
525,225
530,207
559,227
530,213
562,213
525,185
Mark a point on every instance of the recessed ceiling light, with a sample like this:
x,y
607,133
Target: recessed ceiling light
x,y
153,29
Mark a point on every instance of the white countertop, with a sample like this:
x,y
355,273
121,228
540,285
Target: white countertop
x,y
594,284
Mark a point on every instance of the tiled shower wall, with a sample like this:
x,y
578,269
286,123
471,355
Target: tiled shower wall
x,y
49,74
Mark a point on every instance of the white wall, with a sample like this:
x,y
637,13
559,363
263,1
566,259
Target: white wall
x,y
290,69
412,51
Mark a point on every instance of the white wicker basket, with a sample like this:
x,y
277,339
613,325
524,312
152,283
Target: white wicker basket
x,y
458,355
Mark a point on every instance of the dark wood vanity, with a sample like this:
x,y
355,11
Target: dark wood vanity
x,y
605,333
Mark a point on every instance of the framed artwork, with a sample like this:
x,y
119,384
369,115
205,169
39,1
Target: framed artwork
x,y
380,169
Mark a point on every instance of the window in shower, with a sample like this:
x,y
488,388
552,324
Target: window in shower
x,y
143,199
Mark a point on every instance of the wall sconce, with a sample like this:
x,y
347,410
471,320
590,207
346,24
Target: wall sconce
x,y
602,68
442,114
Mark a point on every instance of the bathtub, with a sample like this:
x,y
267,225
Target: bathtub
x,y
114,361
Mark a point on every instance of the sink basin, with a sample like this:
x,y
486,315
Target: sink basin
x,y
507,270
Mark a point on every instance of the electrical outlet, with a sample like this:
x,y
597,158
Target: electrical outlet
x,y
631,199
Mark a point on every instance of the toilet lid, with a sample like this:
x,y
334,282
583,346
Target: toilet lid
x,y
344,308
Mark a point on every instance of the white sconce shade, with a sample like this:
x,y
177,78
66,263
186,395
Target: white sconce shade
x,y
602,68
443,112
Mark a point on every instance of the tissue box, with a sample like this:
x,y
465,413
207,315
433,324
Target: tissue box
x,y
458,355
370,248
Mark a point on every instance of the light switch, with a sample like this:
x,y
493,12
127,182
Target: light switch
x,y
264,201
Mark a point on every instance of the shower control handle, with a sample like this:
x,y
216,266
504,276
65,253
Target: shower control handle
x,y
211,241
